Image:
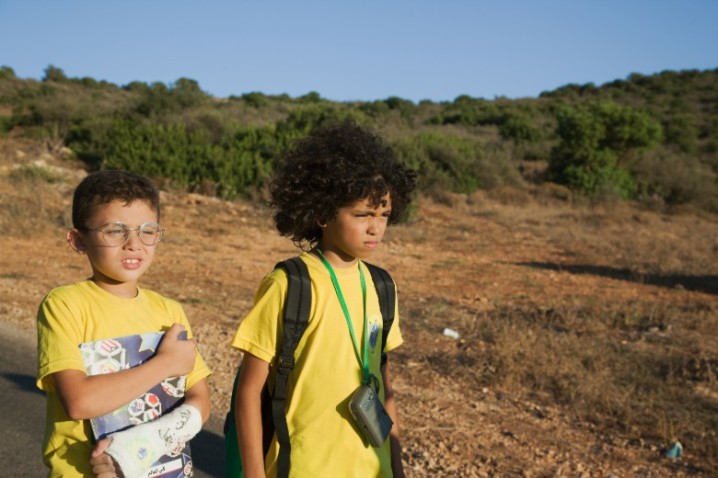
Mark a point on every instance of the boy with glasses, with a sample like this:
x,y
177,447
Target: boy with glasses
x,y
334,196
115,217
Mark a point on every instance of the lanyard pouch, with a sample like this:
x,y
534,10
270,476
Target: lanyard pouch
x,y
370,415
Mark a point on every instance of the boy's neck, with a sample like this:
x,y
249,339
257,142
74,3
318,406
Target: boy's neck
x,y
337,259
125,290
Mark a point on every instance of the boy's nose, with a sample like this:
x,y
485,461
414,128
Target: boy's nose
x,y
133,241
374,226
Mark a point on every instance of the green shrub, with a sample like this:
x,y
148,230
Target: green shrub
x,y
5,124
254,99
596,142
188,159
54,74
312,98
518,128
680,131
6,73
456,164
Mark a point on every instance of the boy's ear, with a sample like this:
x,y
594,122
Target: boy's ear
x,y
75,241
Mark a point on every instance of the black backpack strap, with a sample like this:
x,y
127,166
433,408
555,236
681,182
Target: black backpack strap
x,y
387,301
296,316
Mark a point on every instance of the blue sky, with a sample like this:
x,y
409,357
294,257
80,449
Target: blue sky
x,y
363,49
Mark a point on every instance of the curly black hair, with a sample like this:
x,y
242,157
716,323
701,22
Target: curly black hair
x,y
103,187
331,168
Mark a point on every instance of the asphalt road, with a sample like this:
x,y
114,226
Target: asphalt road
x,y
23,421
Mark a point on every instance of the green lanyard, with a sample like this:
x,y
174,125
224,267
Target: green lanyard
x,y
365,362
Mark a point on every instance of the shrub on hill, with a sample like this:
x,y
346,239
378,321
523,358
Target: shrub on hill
x,y
596,144
594,137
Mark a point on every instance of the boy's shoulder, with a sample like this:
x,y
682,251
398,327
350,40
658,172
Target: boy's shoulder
x,y
280,275
276,281
68,291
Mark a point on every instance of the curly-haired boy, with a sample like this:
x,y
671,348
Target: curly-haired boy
x,y
335,194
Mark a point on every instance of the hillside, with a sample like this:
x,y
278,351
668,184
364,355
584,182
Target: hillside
x,y
588,333
652,139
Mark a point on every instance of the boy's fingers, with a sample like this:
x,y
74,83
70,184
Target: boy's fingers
x,y
103,466
100,447
174,331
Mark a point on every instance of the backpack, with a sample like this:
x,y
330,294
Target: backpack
x,y
295,318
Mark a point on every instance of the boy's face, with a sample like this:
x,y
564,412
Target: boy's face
x,y
117,269
355,233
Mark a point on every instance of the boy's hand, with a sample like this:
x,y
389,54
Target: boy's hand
x,y
178,354
103,466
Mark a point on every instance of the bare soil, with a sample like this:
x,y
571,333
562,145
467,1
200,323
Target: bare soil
x,y
457,260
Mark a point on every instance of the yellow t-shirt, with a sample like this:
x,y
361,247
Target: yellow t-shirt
x,y
83,312
325,441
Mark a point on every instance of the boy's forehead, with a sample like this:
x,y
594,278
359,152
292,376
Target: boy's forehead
x,y
118,204
125,203
371,203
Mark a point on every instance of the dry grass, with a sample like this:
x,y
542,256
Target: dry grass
x,y
640,366
634,369
600,319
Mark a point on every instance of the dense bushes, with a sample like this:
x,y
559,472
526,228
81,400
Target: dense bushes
x,y
201,153
457,164
596,145
190,159
596,139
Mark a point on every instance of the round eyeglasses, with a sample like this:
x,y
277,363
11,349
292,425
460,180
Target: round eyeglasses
x,y
117,233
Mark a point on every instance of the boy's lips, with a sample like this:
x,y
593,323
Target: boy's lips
x,y
131,263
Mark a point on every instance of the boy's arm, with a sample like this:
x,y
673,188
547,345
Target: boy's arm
x,y
105,467
248,403
390,405
198,397
92,396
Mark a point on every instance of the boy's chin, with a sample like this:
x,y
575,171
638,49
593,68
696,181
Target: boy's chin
x,y
366,254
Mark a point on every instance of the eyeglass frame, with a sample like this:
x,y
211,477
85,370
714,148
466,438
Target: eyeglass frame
x,y
127,231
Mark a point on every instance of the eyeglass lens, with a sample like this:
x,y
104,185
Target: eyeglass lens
x,y
149,233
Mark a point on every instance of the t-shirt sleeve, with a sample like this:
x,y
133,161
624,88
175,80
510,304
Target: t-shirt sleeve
x,y
395,338
258,332
58,333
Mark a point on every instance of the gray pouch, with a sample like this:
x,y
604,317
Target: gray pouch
x,y
370,415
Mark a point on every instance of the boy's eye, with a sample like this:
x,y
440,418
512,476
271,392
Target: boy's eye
x,y
114,231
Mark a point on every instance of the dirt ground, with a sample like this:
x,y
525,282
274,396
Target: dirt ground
x,y
469,253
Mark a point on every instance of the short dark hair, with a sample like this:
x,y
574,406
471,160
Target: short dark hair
x,y
104,187
331,168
